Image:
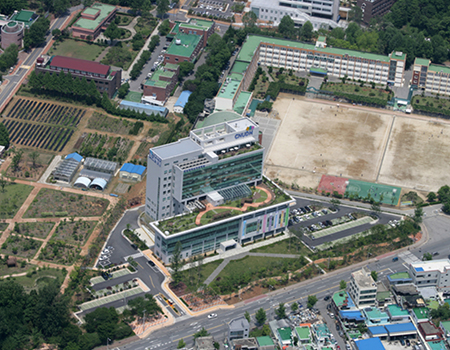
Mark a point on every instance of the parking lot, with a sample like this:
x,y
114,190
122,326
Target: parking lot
x,y
314,222
220,9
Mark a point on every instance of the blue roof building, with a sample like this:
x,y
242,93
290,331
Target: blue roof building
x,y
369,344
181,102
132,172
74,156
378,331
141,107
353,316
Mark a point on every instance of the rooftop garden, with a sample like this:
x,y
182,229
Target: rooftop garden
x,y
243,150
258,200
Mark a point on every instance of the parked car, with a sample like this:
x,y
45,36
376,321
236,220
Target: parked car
x,y
151,263
328,297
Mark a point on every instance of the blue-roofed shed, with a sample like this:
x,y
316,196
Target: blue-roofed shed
x,y
141,107
354,315
401,329
132,172
74,156
378,331
369,344
181,102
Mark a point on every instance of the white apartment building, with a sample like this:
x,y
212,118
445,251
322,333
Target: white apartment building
x,y
431,77
433,273
321,13
362,288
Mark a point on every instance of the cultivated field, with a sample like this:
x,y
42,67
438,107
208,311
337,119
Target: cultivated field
x,y
348,142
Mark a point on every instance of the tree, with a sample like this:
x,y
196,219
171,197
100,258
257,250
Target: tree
x,y
7,7
335,203
4,135
176,263
181,344
56,32
3,182
281,311
123,90
431,197
162,8
427,257
355,14
140,305
164,28
418,214
294,307
287,26
342,285
312,300
201,333
249,19
307,31
376,208
374,275
35,35
186,67
17,158
112,32
34,157
261,316
247,316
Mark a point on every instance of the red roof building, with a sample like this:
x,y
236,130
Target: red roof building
x,y
79,66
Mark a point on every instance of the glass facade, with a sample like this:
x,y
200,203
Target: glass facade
x,y
223,174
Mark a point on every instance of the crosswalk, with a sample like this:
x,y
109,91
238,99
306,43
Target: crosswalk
x,y
408,257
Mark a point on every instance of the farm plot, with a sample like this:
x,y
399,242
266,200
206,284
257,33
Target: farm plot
x,y
44,125
50,202
74,232
33,229
104,147
59,252
20,246
104,123
31,167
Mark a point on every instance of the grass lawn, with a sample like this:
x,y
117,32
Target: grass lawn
x,y
283,247
76,49
207,269
59,252
208,217
40,278
259,196
50,202
34,229
74,232
5,270
428,101
20,246
356,89
12,198
133,96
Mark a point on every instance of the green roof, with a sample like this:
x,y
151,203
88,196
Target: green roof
x,y
285,333
24,16
253,41
171,66
195,22
242,101
321,39
239,67
217,118
422,61
375,313
437,345
229,89
322,330
396,310
437,69
399,276
92,24
155,81
264,341
188,44
303,332
382,296
176,28
446,325
421,313
340,297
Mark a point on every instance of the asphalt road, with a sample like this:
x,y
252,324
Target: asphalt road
x,y
437,225
384,218
17,77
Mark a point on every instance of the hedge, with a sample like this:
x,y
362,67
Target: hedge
x,y
363,99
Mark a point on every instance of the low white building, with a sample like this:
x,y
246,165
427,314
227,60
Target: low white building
x,y
433,273
132,172
362,288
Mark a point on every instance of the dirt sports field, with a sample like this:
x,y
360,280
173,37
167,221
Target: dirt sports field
x,y
316,139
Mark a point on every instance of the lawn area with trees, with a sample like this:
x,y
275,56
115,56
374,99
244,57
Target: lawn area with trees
x,y
12,196
33,229
120,126
38,278
20,246
74,232
428,104
59,252
50,203
31,164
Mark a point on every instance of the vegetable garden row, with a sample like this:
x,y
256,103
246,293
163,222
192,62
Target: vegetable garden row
x,y
52,138
46,112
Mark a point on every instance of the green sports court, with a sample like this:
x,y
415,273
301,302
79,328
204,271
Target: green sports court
x,y
381,193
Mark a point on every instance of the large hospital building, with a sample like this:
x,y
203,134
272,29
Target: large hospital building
x,y
208,189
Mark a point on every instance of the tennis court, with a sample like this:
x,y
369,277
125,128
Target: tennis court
x,y
342,227
133,96
381,193
330,183
110,298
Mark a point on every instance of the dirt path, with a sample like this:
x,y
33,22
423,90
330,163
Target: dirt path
x,y
244,208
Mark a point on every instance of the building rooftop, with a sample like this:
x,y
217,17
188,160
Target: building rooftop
x,y
265,341
429,328
245,343
79,64
285,333
92,24
238,324
155,79
24,16
441,265
171,66
133,169
363,279
396,311
183,99
187,46
445,325
198,23
185,145
205,343
377,330
439,68
143,105
375,314
239,67
322,330
354,315
343,300
242,101
399,276
253,41
74,156
421,313
217,118
437,345
229,88
400,327
303,332
422,61
369,344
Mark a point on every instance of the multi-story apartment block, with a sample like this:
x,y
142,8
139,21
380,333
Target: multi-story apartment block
x,y
195,26
162,82
433,273
214,165
431,77
321,14
362,288
374,8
